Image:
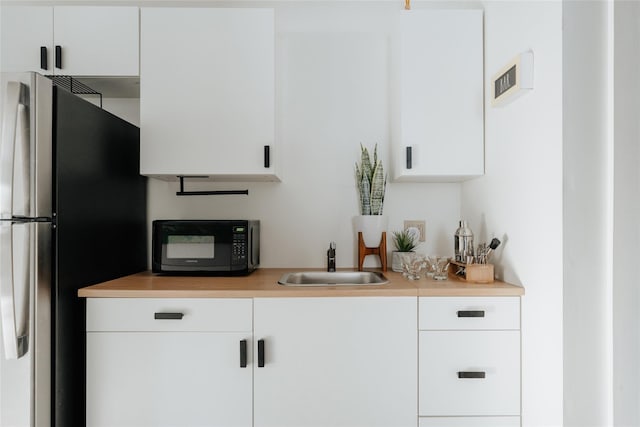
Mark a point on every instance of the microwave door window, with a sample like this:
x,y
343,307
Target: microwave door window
x,y
190,247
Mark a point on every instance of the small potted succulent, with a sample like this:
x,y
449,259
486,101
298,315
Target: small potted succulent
x,y
371,181
404,241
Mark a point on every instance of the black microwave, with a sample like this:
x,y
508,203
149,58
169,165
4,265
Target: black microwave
x,y
205,247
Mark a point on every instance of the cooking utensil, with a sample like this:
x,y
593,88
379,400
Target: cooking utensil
x,y
492,246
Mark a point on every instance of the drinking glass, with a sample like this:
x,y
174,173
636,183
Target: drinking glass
x,y
441,268
412,265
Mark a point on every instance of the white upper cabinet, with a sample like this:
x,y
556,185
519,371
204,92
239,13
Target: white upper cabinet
x,y
97,40
27,31
207,95
71,40
437,101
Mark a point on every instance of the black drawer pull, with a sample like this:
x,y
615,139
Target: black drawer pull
x,y
260,353
58,57
267,156
471,374
471,313
168,316
243,353
44,61
409,158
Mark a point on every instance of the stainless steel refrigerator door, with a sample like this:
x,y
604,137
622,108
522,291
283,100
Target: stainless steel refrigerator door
x,y
25,253
27,114
25,382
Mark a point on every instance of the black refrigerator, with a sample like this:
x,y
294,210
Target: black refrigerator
x,y
72,214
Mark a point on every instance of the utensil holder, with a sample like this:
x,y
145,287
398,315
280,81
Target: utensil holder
x,y
475,273
381,251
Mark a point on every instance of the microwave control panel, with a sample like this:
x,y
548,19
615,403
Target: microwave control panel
x,y
239,245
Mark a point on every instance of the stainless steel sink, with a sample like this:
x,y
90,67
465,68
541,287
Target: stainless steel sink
x,y
338,278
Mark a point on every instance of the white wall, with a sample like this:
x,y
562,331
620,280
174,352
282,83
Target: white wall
x,y
602,234
626,215
127,108
587,315
332,68
519,200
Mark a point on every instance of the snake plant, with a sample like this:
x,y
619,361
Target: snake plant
x,y
371,181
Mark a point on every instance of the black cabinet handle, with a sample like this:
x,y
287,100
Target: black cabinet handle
x,y
58,56
267,156
409,159
243,353
471,313
44,63
471,374
168,316
260,353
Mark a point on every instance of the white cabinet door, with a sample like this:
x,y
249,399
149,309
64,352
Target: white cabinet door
x,y
164,362
167,379
438,106
25,31
336,362
92,40
469,373
97,40
207,93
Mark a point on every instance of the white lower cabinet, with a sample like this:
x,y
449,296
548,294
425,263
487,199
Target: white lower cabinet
x,y
303,362
349,361
168,363
469,361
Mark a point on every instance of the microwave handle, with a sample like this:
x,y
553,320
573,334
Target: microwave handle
x,y
251,240
255,249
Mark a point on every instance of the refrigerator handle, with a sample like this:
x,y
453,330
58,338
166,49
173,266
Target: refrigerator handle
x,y
16,95
15,346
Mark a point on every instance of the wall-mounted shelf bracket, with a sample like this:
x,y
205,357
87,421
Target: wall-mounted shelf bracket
x,y
182,192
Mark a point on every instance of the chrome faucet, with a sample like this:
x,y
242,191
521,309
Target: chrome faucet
x,y
331,257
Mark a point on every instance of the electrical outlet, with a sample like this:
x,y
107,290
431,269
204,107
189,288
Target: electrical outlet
x,y
420,225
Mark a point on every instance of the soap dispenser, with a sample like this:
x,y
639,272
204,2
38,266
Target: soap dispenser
x,y
331,257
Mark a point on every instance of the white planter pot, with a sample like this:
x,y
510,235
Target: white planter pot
x,y
371,227
396,260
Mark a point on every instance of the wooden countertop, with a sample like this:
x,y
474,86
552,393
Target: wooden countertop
x,y
264,283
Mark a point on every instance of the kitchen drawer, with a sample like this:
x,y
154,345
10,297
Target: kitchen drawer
x,y
446,356
469,422
469,313
155,315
